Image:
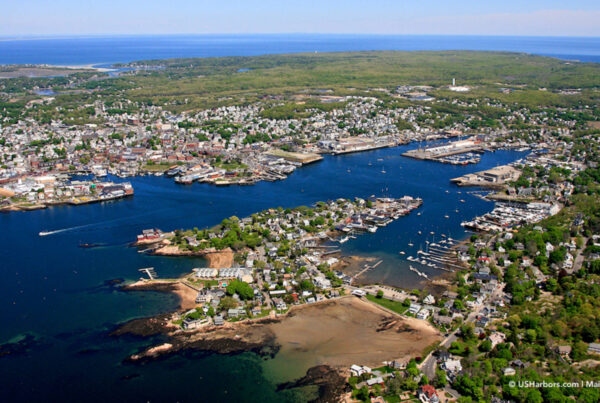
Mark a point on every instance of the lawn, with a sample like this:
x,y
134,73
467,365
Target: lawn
x,y
389,304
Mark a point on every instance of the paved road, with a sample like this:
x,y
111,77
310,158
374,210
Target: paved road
x,y
429,363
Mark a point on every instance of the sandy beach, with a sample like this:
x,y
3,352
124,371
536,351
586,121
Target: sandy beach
x,y
215,258
337,333
186,294
349,331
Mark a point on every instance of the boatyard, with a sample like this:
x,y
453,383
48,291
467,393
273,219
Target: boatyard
x,y
492,178
462,152
508,215
52,190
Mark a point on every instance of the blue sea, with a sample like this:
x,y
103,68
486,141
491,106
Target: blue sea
x,y
58,295
99,50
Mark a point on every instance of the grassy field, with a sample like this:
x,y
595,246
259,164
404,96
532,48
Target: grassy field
x,y
389,304
193,83
294,83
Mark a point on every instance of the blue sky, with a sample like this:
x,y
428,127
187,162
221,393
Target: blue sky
x,y
458,17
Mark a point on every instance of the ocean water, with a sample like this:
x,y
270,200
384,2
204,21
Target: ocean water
x,y
101,50
58,294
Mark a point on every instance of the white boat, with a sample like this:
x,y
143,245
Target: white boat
x,y
432,233
446,216
344,239
372,229
383,171
419,232
44,233
411,244
402,252
419,213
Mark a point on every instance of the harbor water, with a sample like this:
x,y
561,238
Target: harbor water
x,y
59,302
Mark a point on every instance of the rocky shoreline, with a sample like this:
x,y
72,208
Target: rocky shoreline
x,y
330,381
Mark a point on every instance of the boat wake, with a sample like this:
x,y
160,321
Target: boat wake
x,y
113,221
58,231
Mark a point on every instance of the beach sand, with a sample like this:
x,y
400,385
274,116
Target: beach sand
x,y
338,333
217,259
344,332
186,294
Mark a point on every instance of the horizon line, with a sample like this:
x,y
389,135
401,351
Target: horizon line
x,y
88,35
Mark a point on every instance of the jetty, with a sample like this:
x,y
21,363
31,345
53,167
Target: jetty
x,y
366,269
150,272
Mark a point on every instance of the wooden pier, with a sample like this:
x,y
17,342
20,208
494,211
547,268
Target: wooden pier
x,y
366,269
150,272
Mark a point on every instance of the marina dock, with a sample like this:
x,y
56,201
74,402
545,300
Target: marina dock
x,y
150,272
456,152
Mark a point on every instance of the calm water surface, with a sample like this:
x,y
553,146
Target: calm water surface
x,y
100,50
56,294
